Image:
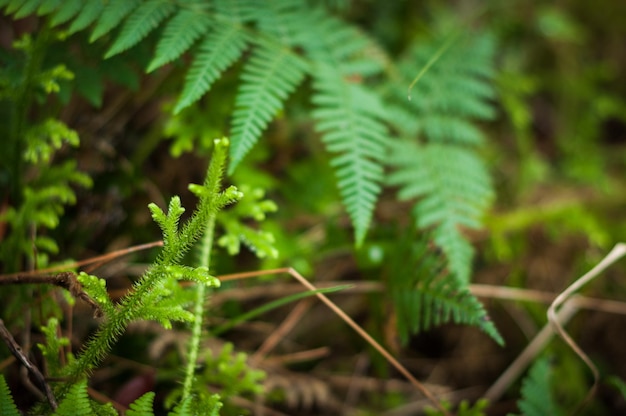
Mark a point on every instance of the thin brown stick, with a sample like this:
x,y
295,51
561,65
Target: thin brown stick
x,y
356,327
283,329
618,252
98,259
16,350
299,356
523,360
66,280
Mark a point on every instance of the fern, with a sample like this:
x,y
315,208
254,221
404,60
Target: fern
x,y
269,76
290,41
444,174
348,115
142,406
67,10
7,406
76,402
142,21
178,36
425,295
537,399
88,14
113,15
217,52
452,188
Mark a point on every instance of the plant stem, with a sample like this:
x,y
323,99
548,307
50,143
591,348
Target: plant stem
x,y
198,311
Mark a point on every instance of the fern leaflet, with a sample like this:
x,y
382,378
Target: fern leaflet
x,y
537,398
69,9
7,406
218,51
142,21
425,295
89,13
179,34
453,188
268,78
76,402
345,115
142,406
113,14
27,8
348,115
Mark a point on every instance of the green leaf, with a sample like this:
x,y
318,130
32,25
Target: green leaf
x,y
7,406
88,14
218,50
346,114
113,14
140,23
68,9
179,34
270,75
537,398
28,7
452,190
142,406
75,402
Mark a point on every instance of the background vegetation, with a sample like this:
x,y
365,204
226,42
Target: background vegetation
x,y
431,154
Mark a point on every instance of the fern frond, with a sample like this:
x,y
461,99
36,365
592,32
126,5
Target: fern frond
x,y
425,295
142,406
68,9
283,19
238,11
142,21
88,14
453,190
270,75
48,6
218,51
346,115
537,399
76,402
179,34
456,89
7,406
113,14
28,7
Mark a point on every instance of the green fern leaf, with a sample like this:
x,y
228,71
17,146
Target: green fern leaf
x,y
283,19
218,51
238,11
68,9
346,114
113,14
142,21
48,6
537,399
453,188
179,34
7,406
76,402
28,7
454,90
425,295
88,14
142,406
268,78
